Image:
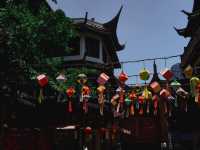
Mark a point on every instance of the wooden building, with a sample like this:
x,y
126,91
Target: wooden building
x,y
191,54
187,127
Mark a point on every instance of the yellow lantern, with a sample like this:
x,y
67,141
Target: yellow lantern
x,y
147,94
144,74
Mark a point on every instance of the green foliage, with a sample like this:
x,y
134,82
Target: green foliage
x,y
29,40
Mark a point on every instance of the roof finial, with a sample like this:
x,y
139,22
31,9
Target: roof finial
x,y
86,17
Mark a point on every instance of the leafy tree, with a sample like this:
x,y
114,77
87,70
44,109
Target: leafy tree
x,y
29,41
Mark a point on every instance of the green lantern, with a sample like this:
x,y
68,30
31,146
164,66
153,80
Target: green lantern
x,y
175,85
144,74
128,102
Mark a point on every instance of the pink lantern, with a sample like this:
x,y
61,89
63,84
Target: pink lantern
x,y
103,78
155,87
167,74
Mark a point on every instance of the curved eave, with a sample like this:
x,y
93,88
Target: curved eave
x,y
182,32
112,27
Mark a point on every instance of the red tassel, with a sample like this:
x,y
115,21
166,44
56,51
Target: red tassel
x,y
85,106
132,112
70,106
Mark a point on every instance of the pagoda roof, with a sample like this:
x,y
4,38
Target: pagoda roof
x,y
193,21
108,29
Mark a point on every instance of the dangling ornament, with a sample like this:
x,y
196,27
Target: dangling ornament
x,y
155,104
70,92
42,81
144,74
175,85
183,94
198,94
147,96
101,96
82,78
165,94
86,95
114,99
128,103
141,102
132,97
103,78
167,74
155,87
194,81
123,77
61,78
188,71
88,133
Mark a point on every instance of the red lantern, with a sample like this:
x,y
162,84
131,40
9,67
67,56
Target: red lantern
x,y
88,130
70,91
42,80
132,96
167,74
85,90
123,77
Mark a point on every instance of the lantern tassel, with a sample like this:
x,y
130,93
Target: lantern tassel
x,y
148,111
41,96
70,106
132,111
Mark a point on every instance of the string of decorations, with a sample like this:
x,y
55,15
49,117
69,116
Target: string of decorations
x,y
128,103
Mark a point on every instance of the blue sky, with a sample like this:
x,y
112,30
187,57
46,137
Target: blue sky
x,y
146,26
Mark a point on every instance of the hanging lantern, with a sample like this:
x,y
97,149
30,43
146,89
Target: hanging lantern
x,y
132,97
194,81
70,92
164,93
167,74
82,78
155,87
127,102
103,78
85,96
175,85
88,130
123,77
183,94
42,80
147,94
188,71
144,74
141,101
114,99
155,104
61,78
100,91
85,90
